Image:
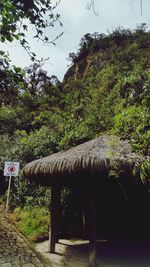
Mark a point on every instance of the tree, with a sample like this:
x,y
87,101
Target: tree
x,y
37,79
11,80
16,15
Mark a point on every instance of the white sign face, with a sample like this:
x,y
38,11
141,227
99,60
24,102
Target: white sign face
x,y
11,168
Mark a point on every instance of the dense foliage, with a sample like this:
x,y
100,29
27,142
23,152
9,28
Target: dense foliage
x,y
114,70
33,222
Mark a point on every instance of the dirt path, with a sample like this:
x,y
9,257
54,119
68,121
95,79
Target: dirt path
x,y
14,249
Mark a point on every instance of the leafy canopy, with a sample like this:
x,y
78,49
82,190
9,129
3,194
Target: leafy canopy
x,y
17,15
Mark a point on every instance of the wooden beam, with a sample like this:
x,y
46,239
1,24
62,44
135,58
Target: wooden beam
x,y
92,225
54,225
85,197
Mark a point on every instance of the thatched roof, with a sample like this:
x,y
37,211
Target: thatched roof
x,y
94,157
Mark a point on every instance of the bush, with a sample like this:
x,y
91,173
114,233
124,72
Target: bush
x,y
33,222
133,123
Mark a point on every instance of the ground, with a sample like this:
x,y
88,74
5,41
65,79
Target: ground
x,y
16,251
74,253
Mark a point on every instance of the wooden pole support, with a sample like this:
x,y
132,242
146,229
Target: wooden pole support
x,y
92,226
55,208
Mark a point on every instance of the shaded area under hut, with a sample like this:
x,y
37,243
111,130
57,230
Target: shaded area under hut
x,y
113,201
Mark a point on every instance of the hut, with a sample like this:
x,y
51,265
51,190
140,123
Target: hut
x,y
88,165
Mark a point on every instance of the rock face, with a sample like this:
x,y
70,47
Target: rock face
x,y
14,249
79,69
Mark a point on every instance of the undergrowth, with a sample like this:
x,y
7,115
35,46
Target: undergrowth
x,y
33,222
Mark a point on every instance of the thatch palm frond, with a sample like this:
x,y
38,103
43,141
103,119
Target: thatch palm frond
x,y
97,156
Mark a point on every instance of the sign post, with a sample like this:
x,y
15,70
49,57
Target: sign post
x,y
8,194
10,169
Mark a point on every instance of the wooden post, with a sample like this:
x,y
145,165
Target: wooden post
x,y
84,211
55,207
92,225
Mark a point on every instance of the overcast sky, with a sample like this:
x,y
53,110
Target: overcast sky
x,y
77,21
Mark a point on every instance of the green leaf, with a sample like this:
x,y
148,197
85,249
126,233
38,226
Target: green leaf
x,y
9,38
18,70
4,12
2,39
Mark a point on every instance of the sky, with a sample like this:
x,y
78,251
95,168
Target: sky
x,y
77,21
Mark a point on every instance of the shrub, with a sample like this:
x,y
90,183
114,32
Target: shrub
x,y
33,222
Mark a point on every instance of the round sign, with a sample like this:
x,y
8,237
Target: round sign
x,y
11,169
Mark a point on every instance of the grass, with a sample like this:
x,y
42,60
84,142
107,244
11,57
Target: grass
x,y
33,222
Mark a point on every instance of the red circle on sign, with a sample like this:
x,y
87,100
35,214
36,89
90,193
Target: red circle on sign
x,y
11,169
